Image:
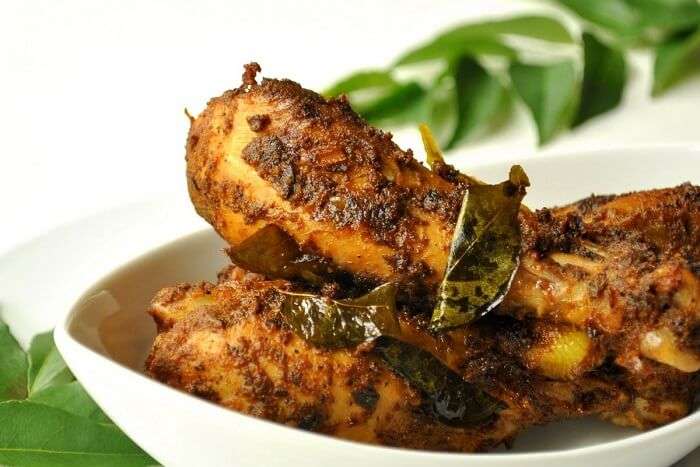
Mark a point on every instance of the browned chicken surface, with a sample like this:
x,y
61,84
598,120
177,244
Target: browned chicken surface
x,y
230,344
602,317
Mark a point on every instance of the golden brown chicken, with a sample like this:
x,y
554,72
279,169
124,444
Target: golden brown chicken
x,y
602,316
230,343
275,153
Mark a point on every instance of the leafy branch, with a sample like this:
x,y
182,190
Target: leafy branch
x,y
464,81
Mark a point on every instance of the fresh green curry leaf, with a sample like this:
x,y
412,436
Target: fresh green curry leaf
x,y
47,418
39,349
480,97
467,97
398,105
486,38
452,400
615,15
35,434
675,59
604,78
442,108
380,99
72,398
342,323
549,91
484,252
638,21
449,46
13,367
46,366
361,81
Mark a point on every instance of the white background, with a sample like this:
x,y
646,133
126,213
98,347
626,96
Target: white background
x,y
92,92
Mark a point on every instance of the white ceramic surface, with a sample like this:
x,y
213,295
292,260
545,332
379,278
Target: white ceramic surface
x,y
178,429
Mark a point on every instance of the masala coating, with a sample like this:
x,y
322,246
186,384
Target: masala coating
x,y
274,153
602,318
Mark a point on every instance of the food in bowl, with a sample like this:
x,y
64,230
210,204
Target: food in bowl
x,y
378,300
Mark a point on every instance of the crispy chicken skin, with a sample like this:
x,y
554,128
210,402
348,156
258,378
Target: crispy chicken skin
x,y
229,344
277,153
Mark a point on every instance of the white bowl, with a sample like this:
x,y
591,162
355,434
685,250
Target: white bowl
x,y
106,335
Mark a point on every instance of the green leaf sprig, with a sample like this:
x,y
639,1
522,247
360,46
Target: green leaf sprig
x,y
463,82
46,416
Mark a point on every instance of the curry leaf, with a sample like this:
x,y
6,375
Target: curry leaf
x,y
271,251
380,99
486,38
72,398
13,367
484,252
615,15
604,77
39,349
398,105
638,21
48,418
451,399
342,323
46,366
481,98
449,46
35,434
360,81
674,59
442,108
549,91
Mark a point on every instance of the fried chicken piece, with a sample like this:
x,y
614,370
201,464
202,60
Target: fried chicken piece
x,y
277,153
614,278
228,343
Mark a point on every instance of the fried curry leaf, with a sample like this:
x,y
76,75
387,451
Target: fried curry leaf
x,y
484,252
604,78
451,400
272,252
342,323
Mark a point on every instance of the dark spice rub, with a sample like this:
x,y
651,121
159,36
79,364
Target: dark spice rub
x,y
318,171
229,343
618,274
